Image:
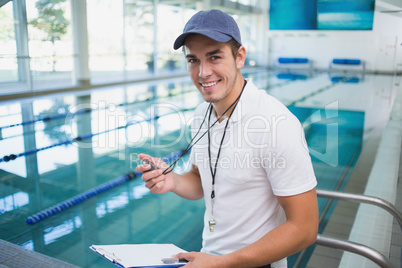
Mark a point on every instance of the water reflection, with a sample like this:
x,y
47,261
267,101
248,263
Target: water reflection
x,y
54,129
13,201
53,233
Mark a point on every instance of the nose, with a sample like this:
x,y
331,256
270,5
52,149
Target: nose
x,y
205,70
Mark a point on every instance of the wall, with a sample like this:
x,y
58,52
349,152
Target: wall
x,y
380,48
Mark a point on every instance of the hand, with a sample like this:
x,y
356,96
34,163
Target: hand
x,y
200,260
154,180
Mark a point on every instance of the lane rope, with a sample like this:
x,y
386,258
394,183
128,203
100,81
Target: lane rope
x,y
77,199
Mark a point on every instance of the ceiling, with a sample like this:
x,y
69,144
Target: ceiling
x,y
392,7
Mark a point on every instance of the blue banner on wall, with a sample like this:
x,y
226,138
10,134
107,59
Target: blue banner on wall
x,y
321,14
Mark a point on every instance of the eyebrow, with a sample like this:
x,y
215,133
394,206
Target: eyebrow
x,y
208,54
217,51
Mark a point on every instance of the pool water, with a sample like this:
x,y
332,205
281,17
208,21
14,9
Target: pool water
x,y
98,138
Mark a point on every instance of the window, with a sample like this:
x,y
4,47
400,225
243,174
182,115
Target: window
x,y
170,25
128,40
105,40
9,74
50,43
139,38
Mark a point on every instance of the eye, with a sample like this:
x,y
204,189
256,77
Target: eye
x,y
192,60
214,58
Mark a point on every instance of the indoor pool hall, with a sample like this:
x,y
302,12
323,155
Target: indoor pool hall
x,y
79,104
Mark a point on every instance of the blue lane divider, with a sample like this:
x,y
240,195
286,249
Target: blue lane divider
x,y
291,76
11,157
87,110
45,119
79,198
75,200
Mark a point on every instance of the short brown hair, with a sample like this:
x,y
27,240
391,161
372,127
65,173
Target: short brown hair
x,y
235,47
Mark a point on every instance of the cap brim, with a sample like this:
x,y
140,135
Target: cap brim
x,y
217,36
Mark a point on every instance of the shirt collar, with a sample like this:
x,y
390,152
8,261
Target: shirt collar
x,y
244,105
246,101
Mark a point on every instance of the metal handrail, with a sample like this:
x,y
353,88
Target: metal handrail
x,y
353,247
363,199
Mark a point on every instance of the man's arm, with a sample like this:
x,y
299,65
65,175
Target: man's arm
x,y
187,185
298,232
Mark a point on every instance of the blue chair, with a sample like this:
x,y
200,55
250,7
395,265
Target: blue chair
x,y
294,63
347,64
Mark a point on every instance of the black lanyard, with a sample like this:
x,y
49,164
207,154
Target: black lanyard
x,y
213,170
191,143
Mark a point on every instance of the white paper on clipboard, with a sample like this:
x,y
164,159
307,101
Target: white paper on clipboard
x,y
138,255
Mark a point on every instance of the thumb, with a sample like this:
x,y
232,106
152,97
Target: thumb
x,y
143,156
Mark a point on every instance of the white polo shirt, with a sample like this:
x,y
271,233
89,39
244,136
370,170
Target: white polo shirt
x,y
264,154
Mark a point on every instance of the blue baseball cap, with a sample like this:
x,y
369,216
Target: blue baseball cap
x,y
214,24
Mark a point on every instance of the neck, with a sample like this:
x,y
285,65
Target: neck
x,y
221,106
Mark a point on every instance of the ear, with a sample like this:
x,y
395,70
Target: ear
x,y
241,57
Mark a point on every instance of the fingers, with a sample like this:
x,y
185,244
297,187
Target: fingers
x,y
148,163
143,168
151,174
157,188
187,256
154,178
144,157
151,163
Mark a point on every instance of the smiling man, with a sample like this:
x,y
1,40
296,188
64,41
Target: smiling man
x,y
215,71
250,161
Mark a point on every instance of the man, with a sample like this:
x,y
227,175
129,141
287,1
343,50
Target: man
x,y
249,158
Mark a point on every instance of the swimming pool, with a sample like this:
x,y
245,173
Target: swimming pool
x,y
70,144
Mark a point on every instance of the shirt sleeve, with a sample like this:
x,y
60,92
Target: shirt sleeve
x,y
288,163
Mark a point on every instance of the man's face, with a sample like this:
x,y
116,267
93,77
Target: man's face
x,y
212,67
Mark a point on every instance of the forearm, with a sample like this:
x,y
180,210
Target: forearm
x,y
188,185
281,242
298,232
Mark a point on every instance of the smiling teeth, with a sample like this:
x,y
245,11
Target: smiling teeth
x,y
209,84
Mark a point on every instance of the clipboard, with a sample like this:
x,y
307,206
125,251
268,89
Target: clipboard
x,y
139,255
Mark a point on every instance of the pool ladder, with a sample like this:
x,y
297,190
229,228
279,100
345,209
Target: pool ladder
x,y
353,247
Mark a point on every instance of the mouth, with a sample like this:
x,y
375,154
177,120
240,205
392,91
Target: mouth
x,y
209,85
